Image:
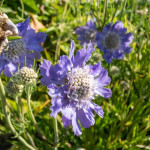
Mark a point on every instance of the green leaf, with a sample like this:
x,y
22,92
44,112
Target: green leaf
x,y
31,4
6,10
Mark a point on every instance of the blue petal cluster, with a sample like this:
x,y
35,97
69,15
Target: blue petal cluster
x,y
28,46
114,41
73,85
87,33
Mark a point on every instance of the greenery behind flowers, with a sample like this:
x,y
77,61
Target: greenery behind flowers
x,y
126,122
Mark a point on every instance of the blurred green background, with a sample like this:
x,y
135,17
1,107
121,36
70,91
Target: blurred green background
x,y
126,122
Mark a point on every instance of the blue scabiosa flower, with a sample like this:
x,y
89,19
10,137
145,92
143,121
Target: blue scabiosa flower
x,y
29,46
87,33
114,41
73,85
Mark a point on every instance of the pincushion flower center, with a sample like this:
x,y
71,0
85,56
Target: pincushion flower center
x,y
80,84
112,41
14,49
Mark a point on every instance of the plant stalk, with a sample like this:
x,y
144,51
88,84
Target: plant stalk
x,y
32,116
7,116
55,133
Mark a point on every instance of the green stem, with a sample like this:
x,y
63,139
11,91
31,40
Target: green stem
x,y
123,7
105,13
117,4
21,111
2,3
30,111
57,53
55,133
33,119
22,6
7,116
98,14
19,103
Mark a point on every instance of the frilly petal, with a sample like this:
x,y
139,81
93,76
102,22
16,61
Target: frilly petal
x,y
97,109
103,78
56,106
76,127
71,55
33,40
86,117
23,26
66,122
83,55
104,92
96,69
9,69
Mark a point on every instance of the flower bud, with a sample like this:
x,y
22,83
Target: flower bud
x,y
14,89
114,71
124,85
26,76
7,25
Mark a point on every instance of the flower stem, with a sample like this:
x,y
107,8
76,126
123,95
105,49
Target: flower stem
x,y
21,107
98,14
21,114
105,13
33,119
2,3
117,5
7,116
55,133
22,6
123,7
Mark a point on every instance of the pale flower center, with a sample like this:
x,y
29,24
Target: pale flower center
x,y
81,85
13,50
27,75
112,41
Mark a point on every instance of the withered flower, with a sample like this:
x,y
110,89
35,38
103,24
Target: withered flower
x,y
7,28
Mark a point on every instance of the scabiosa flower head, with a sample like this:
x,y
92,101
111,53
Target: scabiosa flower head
x,y
114,41
29,46
26,76
14,89
87,33
73,85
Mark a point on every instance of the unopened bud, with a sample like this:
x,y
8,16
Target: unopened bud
x,y
27,76
14,89
114,71
124,85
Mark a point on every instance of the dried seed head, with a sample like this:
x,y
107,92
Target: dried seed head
x,y
3,43
7,28
7,24
14,89
27,76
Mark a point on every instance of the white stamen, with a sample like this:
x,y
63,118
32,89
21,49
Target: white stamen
x,y
81,85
